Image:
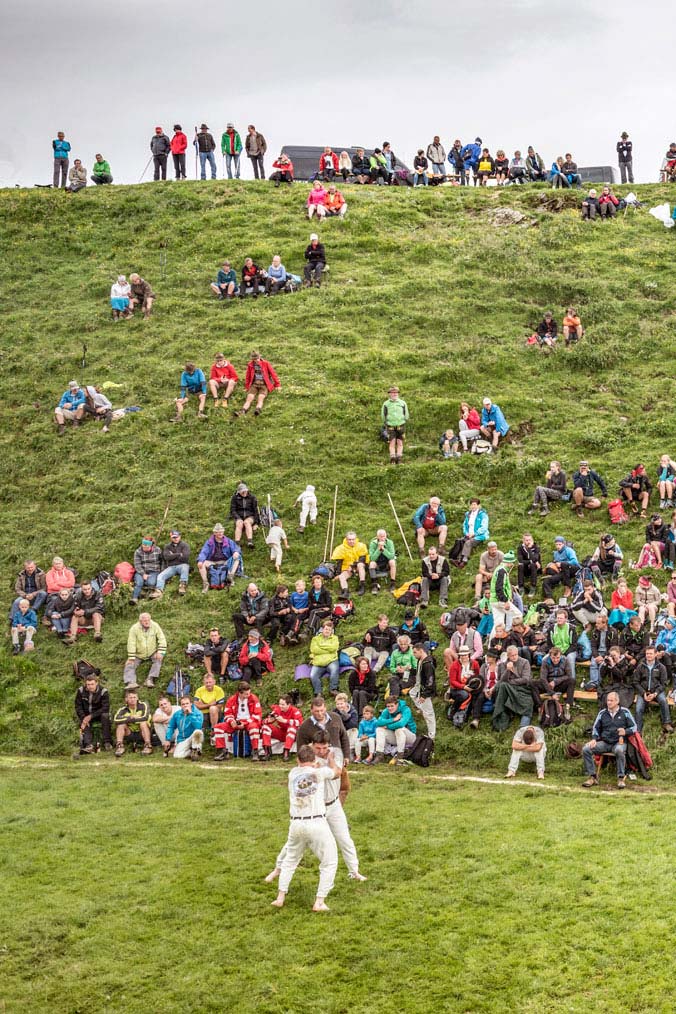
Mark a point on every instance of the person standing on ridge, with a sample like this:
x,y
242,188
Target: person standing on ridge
x,y
160,146
625,158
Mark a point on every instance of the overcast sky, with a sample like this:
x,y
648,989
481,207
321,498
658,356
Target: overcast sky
x,y
563,75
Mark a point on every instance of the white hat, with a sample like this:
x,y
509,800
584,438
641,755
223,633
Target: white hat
x,y
487,401
309,489
313,236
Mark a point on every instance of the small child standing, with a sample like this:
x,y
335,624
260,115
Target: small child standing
x,y
366,733
348,716
274,539
24,621
308,502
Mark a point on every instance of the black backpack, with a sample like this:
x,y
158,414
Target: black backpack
x,y
551,713
82,670
420,751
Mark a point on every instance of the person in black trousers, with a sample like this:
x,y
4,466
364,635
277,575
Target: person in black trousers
x,y
315,256
625,158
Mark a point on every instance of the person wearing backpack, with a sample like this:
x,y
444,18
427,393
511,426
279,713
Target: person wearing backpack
x,y
528,744
425,687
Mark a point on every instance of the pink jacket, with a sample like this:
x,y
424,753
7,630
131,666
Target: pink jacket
x,y
316,196
56,580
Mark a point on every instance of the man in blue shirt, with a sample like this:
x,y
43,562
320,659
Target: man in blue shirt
x,y
193,381
583,489
61,149
494,426
71,407
185,727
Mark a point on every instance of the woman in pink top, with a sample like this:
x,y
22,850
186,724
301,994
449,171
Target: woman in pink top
x,y
59,576
469,424
671,597
621,604
315,201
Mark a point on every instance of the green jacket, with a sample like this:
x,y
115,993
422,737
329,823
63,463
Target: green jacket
x,y
388,550
142,643
225,143
403,658
324,649
101,167
377,161
501,586
394,413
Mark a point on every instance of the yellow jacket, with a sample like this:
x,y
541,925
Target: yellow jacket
x,y
349,555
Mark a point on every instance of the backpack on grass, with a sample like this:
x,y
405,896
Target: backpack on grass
x,y
408,594
218,575
420,751
551,713
82,670
617,513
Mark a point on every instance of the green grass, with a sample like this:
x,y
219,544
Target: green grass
x,y
424,291
120,895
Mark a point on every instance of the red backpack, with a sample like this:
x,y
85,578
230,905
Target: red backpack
x,y
617,513
124,573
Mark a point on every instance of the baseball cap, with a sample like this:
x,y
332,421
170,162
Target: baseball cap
x,y
313,236
174,531
559,538
230,126
73,383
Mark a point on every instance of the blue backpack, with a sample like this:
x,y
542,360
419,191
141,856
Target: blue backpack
x,y
218,575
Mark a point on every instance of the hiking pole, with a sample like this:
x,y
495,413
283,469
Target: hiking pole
x,y
163,259
326,540
164,517
335,506
83,361
269,515
146,169
196,152
396,518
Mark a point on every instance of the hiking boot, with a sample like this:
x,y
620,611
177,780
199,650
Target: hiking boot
x,y
107,747
16,649
579,511
356,876
87,749
155,594
300,529
378,758
392,587
532,509
375,588
61,429
147,750
544,512
119,749
182,588
442,603
250,544
257,411
285,755
621,783
591,782
150,683
361,589
69,639
222,755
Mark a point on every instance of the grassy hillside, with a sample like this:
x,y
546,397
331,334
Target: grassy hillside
x,y
425,291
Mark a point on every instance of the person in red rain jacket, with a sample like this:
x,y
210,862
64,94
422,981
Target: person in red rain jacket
x,y
259,381
459,672
178,145
283,167
242,712
255,657
281,724
608,203
328,164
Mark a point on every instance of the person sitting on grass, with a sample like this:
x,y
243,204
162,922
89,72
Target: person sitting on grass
x,y
401,666
132,723
57,577
414,627
494,426
260,380
501,167
334,203
611,729
225,286
554,489
299,601
474,533
563,636
489,677
24,623
277,277
324,651
590,206
460,671
282,725
583,489
320,603
220,551
547,331
657,537
146,642
77,177
572,326
242,714
184,732
556,174
608,203
98,406
379,642
252,278
665,648
222,380
141,295
31,584
633,641
395,726
175,563
635,489
88,612
665,481
92,707
119,298
588,603
244,512
147,567
283,170
529,565
606,560
361,684
435,576
569,169
449,442
71,407
602,638
556,678
430,520
328,164
255,658
315,201
469,425
528,744
648,600
651,682
60,611
383,560
315,255
193,382
210,698
467,635
101,173
621,604
394,414
354,559
253,611
216,656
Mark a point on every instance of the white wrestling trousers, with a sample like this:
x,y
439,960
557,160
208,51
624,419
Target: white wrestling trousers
x,y
316,836
337,821
193,742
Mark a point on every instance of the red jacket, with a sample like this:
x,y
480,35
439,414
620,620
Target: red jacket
x,y
608,199
473,419
455,678
264,654
328,161
283,167
269,376
292,717
231,706
221,373
178,143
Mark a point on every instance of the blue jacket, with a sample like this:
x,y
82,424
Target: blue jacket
x,y
481,532
184,725
277,274
605,726
367,727
494,415
61,148
75,399
207,550
470,154
566,555
667,639
193,383
27,619
391,722
419,515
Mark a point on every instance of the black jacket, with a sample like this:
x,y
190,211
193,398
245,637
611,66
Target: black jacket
x,y
95,704
641,483
160,144
360,166
647,683
417,631
205,141
634,643
381,640
548,328
242,507
656,533
624,151
557,480
315,254
528,554
427,677
606,726
369,684
280,606
455,158
64,607
612,639
323,600
586,482
252,606
420,163
89,604
173,555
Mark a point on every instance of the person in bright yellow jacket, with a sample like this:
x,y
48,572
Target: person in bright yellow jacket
x,y
146,643
354,559
324,652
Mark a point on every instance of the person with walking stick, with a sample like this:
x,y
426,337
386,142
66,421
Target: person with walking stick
x,y
160,146
231,149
